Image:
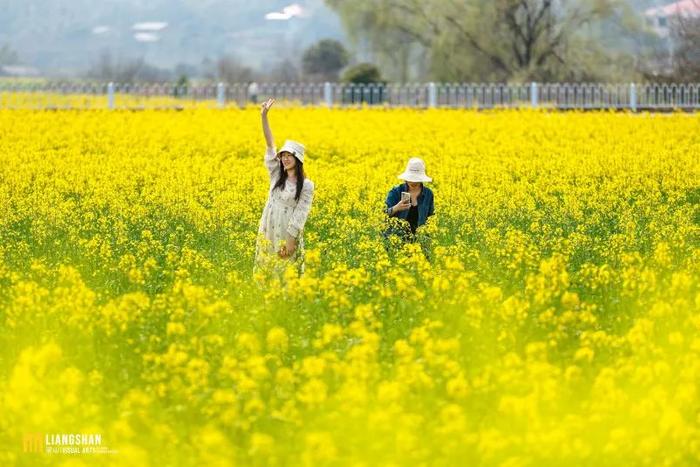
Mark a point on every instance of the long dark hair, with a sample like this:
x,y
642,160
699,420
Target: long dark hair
x,y
299,168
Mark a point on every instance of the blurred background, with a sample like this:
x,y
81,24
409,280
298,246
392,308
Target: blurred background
x,y
352,41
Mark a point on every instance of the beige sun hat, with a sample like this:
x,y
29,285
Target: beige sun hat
x,y
415,171
295,148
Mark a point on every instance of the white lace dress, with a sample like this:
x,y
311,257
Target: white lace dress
x,y
283,215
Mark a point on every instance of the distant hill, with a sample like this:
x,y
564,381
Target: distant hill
x,y
65,36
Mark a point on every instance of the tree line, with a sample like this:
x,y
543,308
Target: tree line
x,y
520,40
460,40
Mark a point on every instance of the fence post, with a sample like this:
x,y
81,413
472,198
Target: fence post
x,y
328,94
534,95
633,97
110,95
220,95
432,95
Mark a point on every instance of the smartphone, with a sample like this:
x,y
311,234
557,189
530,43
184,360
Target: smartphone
x,y
405,196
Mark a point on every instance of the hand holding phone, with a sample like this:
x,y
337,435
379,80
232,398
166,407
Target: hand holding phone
x,y
405,202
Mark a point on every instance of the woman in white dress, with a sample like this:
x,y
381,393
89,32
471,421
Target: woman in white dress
x,y
281,230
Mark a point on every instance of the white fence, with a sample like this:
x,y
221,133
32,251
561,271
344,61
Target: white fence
x,y
71,95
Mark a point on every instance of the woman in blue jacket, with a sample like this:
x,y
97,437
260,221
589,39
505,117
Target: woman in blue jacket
x,y
413,209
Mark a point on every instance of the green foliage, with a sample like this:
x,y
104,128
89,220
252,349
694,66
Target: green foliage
x,y
325,59
181,87
362,73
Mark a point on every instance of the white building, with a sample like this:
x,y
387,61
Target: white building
x,y
660,19
19,71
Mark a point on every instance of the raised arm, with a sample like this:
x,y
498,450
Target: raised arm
x,y
271,162
266,124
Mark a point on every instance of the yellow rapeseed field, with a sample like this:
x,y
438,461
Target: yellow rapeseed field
x,y
557,323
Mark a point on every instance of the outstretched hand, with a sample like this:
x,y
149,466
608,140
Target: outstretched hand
x,y
266,105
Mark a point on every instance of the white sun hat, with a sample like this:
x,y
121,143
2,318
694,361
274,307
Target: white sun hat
x,y
295,148
415,171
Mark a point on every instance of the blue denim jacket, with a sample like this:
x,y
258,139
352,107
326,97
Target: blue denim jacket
x,y
425,203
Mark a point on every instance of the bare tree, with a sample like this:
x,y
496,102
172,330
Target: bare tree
x,y
686,54
125,71
676,58
284,72
373,30
228,69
